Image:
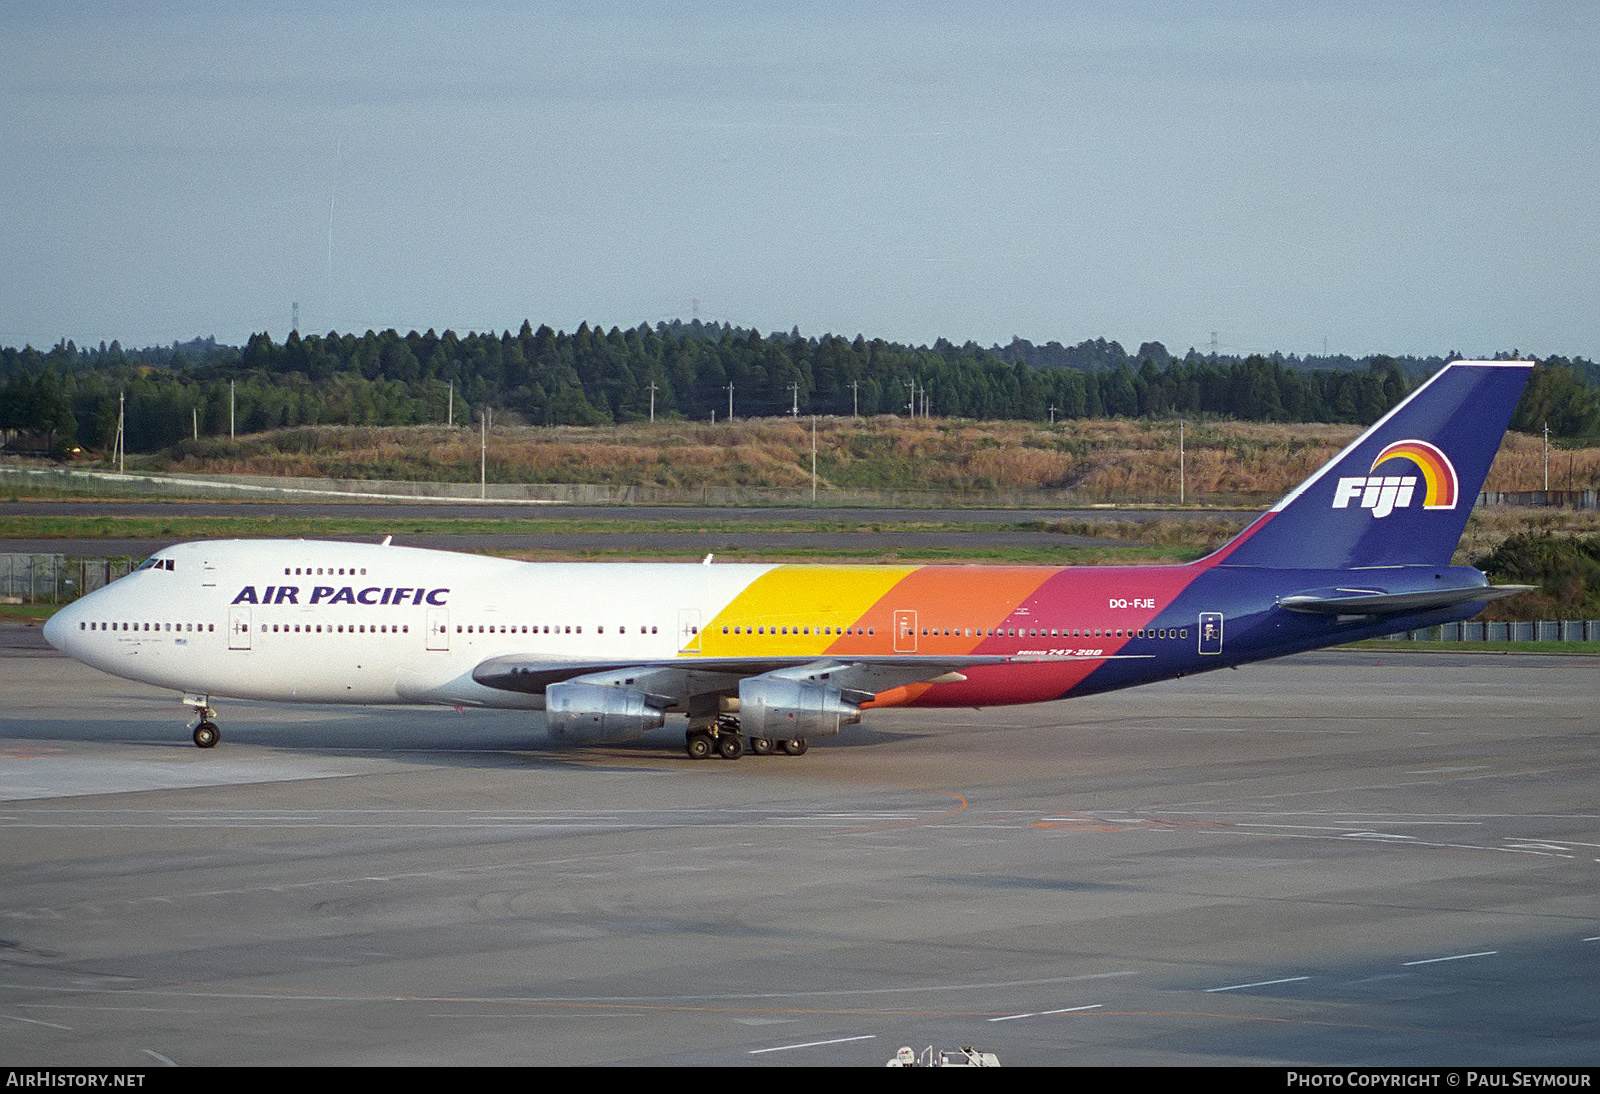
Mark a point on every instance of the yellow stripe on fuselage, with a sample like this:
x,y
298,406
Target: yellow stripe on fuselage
x,y
812,603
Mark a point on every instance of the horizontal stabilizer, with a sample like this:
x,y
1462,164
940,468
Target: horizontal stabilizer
x,y
1358,603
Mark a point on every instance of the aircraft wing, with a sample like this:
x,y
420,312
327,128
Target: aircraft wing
x,y
1362,602
677,678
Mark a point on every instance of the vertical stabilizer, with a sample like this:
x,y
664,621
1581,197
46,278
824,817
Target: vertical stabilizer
x,y
1401,492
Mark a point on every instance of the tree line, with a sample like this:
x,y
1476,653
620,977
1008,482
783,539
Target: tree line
x,y
691,370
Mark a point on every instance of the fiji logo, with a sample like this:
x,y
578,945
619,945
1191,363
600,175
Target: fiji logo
x,y
1383,494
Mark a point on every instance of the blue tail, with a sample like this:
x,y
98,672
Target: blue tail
x,y
1402,491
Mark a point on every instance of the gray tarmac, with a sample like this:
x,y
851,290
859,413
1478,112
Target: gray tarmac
x,y
1339,859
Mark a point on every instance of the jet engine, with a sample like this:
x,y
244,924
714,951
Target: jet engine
x,y
780,709
580,714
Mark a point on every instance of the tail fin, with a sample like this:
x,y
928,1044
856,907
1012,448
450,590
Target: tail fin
x,y
1402,491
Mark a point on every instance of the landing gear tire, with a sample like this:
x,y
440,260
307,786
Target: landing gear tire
x,y
795,746
698,745
206,735
761,746
730,747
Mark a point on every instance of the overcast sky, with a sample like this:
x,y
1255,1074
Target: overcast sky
x,y
1396,178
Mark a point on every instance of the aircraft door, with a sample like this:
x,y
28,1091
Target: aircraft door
x,y
905,631
1210,632
689,630
239,627
438,628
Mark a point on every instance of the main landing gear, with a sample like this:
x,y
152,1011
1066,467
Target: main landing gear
x,y
206,733
724,739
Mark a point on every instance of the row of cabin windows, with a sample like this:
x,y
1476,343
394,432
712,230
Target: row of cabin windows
x,y
973,632
824,631
1055,632
187,628
504,628
341,628
326,571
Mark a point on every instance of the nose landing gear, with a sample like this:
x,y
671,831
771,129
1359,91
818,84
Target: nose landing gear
x,y
206,733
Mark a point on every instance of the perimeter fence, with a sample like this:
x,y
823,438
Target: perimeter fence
x,y
56,579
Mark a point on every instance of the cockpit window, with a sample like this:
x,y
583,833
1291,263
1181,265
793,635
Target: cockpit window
x,y
154,563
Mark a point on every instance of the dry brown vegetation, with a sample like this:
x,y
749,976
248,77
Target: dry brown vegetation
x,y
1085,461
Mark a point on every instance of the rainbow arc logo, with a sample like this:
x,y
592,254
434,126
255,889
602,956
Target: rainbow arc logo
x,y
1385,493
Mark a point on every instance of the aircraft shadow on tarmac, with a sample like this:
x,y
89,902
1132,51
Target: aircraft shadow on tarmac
x,y
432,736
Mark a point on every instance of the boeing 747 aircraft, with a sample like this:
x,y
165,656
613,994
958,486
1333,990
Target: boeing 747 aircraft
x,y
769,657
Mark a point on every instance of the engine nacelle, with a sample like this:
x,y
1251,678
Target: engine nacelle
x,y
777,709
592,714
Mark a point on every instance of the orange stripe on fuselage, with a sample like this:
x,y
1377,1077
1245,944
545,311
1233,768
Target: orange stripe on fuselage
x,y
963,600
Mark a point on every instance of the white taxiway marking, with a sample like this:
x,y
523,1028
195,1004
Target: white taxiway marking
x,y
1453,957
1260,983
154,1055
1042,1013
38,1022
813,1044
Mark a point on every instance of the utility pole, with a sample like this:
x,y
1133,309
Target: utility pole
x,y
1052,415
730,400
813,461
1180,462
483,453
855,398
652,400
794,389
450,415
122,420
230,410
1547,459
911,403
194,418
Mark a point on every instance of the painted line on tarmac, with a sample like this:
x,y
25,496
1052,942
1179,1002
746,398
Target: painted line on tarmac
x,y
814,1044
1453,957
1043,1013
1260,983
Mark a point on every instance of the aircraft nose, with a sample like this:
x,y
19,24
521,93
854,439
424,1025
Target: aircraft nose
x,y
60,625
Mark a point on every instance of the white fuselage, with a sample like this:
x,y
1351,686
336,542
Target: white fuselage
x,y
332,622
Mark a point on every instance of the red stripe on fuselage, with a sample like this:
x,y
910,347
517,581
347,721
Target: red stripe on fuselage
x,y
1116,601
